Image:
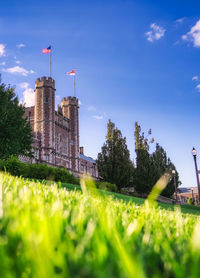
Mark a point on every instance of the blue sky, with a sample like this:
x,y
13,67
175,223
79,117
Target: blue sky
x,y
135,61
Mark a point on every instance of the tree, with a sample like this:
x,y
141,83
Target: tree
x,y
114,164
163,164
150,167
142,141
15,131
143,178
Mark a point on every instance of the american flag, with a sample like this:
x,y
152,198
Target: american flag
x,y
47,50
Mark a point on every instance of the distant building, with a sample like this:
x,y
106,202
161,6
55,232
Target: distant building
x,y
56,133
184,193
87,164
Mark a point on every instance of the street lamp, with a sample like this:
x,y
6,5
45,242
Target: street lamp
x,y
174,173
193,196
194,153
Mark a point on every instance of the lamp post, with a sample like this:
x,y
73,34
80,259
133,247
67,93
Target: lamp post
x,y
193,197
174,173
194,153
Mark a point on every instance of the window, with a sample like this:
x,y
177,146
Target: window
x,y
46,158
35,153
46,100
64,149
82,168
29,116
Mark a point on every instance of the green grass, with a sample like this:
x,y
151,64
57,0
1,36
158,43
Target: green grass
x,y
50,232
139,201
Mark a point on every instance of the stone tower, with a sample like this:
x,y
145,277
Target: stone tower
x,y
70,108
44,118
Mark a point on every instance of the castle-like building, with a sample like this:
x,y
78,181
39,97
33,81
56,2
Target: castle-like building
x,y
56,133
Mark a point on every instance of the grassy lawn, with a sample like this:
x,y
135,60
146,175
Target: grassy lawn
x,y
139,201
47,231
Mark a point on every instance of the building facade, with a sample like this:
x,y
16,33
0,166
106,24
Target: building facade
x,y
56,133
186,193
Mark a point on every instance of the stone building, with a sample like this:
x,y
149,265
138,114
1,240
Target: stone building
x,y
87,164
56,133
186,193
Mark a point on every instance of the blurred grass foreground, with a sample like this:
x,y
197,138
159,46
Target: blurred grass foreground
x,y
47,232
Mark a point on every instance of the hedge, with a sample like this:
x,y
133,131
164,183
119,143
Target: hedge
x,y
106,186
45,172
36,171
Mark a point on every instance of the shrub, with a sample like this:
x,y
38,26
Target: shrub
x,y
107,186
39,171
191,201
36,171
14,167
64,176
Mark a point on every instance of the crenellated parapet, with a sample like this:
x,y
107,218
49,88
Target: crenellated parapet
x,y
69,101
45,82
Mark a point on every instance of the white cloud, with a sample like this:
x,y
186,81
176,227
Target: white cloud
x,y
20,45
18,62
198,87
156,32
194,35
2,64
98,117
79,102
2,50
24,85
18,70
177,42
91,108
195,78
28,95
180,20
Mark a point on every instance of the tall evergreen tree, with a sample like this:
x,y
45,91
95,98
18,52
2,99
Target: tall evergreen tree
x,y
144,165
163,164
15,131
114,164
150,167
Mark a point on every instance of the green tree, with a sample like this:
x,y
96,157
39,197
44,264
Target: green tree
x,y
143,178
15,131
142,141
163,164
150,167
114,164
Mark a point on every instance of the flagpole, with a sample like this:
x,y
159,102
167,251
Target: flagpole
x,y
50,64
74,86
